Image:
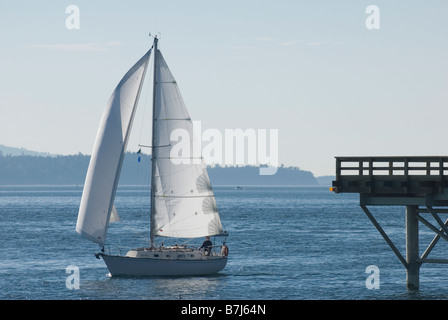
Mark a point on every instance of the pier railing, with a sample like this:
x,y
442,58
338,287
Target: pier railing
x,y
397,175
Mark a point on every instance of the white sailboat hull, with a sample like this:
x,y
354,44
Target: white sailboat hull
x,y
146,266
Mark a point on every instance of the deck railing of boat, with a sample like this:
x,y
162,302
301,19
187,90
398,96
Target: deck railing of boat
x,y
215,249
109,251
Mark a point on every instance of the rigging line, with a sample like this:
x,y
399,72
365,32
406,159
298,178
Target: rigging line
x,y
168,196
141,236
145,107
142,145
175,119
180,158
148,83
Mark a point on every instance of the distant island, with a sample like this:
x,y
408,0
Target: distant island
x,y
23,167
11,151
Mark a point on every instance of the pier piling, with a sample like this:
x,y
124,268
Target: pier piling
x,y
412,253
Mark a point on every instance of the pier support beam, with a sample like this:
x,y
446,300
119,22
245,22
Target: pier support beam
x,y
412,250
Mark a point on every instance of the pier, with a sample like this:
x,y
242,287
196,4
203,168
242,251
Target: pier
x,y
420,184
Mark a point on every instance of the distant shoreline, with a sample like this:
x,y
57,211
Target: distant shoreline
x,y
19,166
71,170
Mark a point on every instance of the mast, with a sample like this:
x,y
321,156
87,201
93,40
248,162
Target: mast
x,y
153,162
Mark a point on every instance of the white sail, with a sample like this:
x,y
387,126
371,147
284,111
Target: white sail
x,y
107,155
114,217
184,203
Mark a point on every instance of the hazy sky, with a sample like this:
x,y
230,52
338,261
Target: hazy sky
x,y
311,69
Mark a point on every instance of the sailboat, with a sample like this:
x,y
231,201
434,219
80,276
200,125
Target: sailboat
x,y
182,200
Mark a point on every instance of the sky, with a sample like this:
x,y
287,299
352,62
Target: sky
x,y
313,70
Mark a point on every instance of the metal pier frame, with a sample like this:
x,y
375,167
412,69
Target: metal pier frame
x,y
418,183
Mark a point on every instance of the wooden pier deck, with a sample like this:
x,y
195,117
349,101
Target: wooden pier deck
x,y
394,180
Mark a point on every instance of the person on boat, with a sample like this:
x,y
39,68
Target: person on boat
x,y
206,246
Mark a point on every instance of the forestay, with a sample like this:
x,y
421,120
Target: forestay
x,y
108,153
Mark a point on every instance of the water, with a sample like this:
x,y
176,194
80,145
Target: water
x,y
286,243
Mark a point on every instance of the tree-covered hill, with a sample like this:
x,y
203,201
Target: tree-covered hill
x,y
71,170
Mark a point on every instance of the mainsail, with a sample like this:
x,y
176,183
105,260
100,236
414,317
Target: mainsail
x,y
108,153
184,203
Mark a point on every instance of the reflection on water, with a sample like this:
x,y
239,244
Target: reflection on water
x,y
154,288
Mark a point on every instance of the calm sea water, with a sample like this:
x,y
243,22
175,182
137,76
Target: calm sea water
x,y
286,243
